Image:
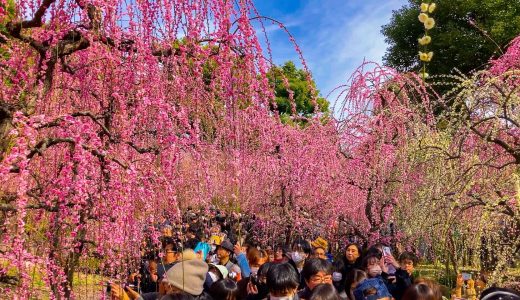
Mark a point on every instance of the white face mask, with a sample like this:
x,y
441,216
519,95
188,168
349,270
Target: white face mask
x,y
214,259
214,277
297,257
374,271
213,248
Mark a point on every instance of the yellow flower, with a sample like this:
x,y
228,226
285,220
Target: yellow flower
x,y
425,40
423,56
432,7
423,17
425,75
424,7
429,23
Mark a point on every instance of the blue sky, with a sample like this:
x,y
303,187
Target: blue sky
x,y
334,35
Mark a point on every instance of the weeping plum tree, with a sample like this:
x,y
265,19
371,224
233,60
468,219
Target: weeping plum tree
x,y
98,104
110,116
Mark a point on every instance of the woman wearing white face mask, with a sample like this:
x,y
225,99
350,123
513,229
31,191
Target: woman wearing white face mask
x,y
373,266
300,251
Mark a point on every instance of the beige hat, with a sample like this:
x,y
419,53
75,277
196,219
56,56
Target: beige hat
x,y
188,276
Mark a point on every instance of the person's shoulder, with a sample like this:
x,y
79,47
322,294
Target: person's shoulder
x,y
150,296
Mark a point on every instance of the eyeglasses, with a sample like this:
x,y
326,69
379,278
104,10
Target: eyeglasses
x,y
321,279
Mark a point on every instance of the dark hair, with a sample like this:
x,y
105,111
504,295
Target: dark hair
x,y
177,296
282,278
418,291
436,288
224,289
262,271
355,275
344,257
314,265
375,250
409,256
203,296
171,243
304,245
369,258
494,293
324,292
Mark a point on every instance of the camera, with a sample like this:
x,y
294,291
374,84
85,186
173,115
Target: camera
x,y
253,278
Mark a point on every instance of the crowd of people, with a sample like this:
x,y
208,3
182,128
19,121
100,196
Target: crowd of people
x,y
204,258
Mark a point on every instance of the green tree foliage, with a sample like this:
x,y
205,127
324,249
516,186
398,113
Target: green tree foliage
x,y
456,42
304,91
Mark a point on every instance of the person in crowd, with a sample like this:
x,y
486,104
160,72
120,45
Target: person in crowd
x,y
257,285
186,276
187,254
148,281
373,265
202,250
314,272
351,259
407,262
436,288
403,274
282,281
224,289
324,292
300,251
255,258
354,277
280,255
270,254
215,273
372,289
170,251
320,247
419,291
178,296
225,255
495,293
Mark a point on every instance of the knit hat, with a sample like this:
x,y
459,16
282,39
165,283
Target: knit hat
x,y
188,254
188,276
320,243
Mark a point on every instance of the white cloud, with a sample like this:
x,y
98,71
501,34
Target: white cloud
x,y
335,37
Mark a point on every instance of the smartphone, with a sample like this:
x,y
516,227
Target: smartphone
x,y
466,276
391,268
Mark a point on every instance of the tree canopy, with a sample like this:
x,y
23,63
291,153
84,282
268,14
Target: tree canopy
x,y
287,80
467,34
